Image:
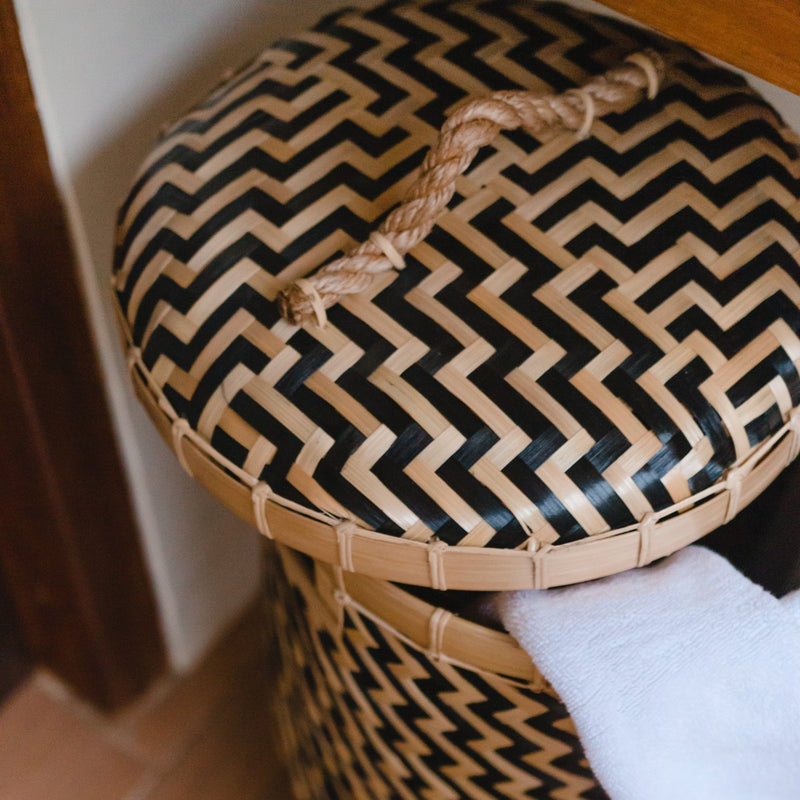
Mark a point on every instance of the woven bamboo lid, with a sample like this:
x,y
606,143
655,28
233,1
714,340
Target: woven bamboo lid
x,y
570,350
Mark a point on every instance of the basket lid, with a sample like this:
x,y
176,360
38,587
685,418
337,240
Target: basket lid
x,y
587,360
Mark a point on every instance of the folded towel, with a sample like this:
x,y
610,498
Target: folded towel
x,y
683,679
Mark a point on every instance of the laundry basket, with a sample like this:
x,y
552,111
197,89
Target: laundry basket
x,y
465,296
380,694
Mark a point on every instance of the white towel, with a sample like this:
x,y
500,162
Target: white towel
x,y
683,679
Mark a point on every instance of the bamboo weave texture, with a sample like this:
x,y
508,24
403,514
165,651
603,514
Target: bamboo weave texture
x,y
597,335
367,714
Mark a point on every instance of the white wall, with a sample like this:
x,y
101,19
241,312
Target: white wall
x,y
107,73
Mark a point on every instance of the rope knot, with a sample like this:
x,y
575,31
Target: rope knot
x,y
295,302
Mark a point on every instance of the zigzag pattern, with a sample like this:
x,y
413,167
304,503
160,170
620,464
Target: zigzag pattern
x,y
367,717
594,330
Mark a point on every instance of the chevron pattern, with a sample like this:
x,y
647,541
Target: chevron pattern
x,y
594,330
366,716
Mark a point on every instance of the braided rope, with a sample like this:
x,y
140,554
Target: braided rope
x,y
470,128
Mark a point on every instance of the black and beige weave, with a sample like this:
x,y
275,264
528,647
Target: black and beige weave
x,y
595,330
365,715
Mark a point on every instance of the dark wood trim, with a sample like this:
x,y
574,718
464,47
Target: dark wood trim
x,y
758,36
69,547
15,662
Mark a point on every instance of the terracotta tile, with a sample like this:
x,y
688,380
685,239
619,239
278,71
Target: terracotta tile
x,y
164,725
48,751
234,755
206,736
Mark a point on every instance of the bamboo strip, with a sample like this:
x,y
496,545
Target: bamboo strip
x,y
461,641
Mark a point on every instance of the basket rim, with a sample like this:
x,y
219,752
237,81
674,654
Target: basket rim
x,y
437,564
440,634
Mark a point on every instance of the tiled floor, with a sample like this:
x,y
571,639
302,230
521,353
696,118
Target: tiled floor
x,y
205,736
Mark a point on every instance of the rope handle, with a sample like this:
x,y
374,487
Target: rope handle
x,y
466,131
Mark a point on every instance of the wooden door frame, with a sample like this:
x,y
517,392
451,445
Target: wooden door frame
x,y
15,662
758,36
70,554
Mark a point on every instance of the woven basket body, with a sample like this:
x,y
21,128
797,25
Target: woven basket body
x,y
368,713
590,360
